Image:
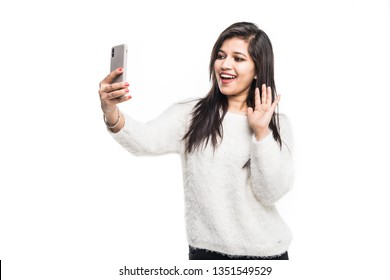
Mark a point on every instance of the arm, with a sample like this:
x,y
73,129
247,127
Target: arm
x,y
272,172
110,95
160,136
271,167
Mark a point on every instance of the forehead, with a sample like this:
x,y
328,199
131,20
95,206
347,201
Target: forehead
x,y
235,45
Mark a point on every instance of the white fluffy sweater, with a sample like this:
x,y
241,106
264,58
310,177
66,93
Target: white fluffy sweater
x,y
229,205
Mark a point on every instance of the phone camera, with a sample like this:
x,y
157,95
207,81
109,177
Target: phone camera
x,y
112,52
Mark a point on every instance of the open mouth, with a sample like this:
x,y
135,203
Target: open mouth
x,y
227,78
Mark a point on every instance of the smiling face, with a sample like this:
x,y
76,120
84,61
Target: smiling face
x,y
234,68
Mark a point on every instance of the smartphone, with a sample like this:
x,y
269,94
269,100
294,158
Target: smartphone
x,y
119,60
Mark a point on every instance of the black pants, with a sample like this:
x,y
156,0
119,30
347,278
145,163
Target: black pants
x,y
202,254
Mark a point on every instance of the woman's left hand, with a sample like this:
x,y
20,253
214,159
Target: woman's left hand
x,y
261,116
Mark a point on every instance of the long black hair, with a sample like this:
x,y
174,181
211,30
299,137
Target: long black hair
x,y
208,113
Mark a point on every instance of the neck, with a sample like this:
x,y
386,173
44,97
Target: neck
x,y
237,104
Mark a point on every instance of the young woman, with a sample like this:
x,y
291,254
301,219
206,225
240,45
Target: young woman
x,y
235,149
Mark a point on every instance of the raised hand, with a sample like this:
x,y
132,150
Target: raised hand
x,y
261,116
112,94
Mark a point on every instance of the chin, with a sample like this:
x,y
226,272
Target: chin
x,y
228,92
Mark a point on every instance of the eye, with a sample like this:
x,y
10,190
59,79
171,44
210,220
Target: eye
x,y
239,59
220,56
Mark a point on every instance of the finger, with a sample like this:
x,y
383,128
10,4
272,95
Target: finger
x,y
123,98
249,111
112,87
257,98
263,94
277,99
269,96
116,86
110,77
120,100
115,94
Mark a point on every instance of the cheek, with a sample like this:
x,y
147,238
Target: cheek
x,y
247,73
216,66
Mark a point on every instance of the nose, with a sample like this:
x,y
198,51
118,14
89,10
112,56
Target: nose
x,y
226,64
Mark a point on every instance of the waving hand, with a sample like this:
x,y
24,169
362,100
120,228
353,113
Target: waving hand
x,y
261,116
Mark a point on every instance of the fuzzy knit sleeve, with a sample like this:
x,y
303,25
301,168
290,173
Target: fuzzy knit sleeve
x,y
272,173
160,136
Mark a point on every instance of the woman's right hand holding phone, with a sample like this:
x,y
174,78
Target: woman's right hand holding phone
x,y
110,95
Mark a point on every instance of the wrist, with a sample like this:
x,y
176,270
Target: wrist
x,y
261,133
107,110
112,119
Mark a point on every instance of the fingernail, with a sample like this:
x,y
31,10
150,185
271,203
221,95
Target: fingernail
x,y
126,90
120,69
127,84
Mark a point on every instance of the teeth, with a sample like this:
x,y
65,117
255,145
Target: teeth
x,y
227,76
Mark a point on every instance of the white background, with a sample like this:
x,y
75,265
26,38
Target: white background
x,y
75,205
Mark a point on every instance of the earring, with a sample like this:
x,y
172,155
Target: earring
x,y
255,77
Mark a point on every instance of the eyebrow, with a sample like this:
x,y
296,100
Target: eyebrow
x,y
233,52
